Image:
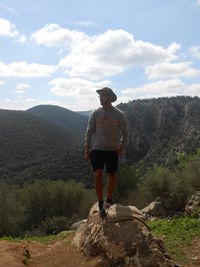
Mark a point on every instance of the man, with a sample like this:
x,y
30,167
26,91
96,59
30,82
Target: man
x,y
108,128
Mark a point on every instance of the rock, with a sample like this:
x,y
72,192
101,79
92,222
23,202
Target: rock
x,y
122,238
155,208
193,205
77,224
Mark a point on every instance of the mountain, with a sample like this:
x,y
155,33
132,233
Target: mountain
x,y
85,113
162,129
72,121
32,148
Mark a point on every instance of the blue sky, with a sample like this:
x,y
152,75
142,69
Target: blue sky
x,y
60,52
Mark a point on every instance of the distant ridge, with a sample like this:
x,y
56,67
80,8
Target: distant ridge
x,y
70,120
85,113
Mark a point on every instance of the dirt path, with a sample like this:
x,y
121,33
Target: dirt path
x,y
192,253
34,254
62,254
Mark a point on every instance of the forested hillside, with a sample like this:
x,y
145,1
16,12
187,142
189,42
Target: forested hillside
x,y
32,148
160,132
74,122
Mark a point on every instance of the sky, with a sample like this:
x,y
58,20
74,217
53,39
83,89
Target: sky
x,y
60,52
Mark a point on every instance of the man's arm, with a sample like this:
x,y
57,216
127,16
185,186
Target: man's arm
x,y
88,136
124,131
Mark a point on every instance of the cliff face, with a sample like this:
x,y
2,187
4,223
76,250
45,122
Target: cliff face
x,y
161,128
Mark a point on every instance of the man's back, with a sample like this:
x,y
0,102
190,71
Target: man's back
x,y
107,126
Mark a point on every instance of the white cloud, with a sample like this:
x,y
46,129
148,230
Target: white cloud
x,y
195,50
193,90
22,103
21,88
22,69
97,56
198,2
171,70
7,29
52,35
82,92
111,53
2,83
157,89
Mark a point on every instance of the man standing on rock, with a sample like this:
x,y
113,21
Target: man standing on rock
x,y
108,128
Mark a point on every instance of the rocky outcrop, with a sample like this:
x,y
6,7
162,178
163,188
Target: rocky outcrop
x,y
160,129
193,205
121,239
155,208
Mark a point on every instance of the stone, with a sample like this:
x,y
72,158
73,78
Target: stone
x,y
155,208
123,238
76,225
192,208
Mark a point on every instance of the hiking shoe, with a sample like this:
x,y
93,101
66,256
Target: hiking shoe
x,y
109,202
102,213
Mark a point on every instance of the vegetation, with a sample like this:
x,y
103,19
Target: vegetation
x,y
46,142
32,149
74,122
173,187
176,234
39,160
47,207
44,207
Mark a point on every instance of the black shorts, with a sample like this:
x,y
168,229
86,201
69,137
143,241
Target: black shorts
x,y
99,158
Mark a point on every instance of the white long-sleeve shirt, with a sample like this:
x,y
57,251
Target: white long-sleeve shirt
x,y
107,129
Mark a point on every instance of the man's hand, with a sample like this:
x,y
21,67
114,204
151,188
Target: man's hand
x,y
87,154
119,151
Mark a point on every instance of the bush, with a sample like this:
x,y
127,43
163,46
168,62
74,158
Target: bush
x,y
172,187
126,181
42,207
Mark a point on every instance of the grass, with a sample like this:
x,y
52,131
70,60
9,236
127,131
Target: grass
x,y
176,234
41,239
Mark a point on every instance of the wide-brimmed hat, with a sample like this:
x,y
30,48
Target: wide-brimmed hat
x,y
109,92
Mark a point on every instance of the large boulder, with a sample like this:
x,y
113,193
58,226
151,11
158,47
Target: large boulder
x,y
193,205
122,239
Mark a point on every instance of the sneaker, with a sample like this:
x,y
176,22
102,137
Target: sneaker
x,y
102,212
109,202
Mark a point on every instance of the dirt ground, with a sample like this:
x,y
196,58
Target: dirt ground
x,y
34,254
62,254
193,253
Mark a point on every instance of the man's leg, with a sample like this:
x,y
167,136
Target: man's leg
x,y
98,183
111,185
99,191
111,169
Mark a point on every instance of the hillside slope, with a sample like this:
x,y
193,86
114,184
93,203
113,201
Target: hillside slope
x,y
72,121
32,148
160,129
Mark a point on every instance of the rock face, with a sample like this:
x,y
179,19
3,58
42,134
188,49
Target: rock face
x,y
122,239
159,129
155,208
193,205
